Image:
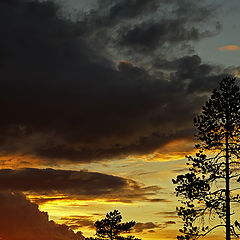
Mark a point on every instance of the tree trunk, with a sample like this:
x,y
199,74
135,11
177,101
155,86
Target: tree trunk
x,y
228,221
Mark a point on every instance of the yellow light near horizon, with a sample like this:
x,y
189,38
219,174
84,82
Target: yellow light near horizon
x,y
66,201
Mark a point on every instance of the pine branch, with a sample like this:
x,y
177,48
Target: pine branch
x,y
203,235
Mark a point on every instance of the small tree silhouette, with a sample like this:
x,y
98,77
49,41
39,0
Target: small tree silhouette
x,y
111,227
219,131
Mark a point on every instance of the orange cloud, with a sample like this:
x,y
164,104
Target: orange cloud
x,y
229,48
125,61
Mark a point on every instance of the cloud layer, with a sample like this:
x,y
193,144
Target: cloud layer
x,y
73,185
63,98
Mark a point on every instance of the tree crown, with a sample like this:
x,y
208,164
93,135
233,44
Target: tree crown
x,y
111,227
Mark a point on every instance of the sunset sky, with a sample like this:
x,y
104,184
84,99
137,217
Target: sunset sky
x,y
97,100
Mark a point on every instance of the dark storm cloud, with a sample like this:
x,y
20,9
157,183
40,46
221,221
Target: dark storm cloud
x,y
21,219
129,8
80,182
147,26
73,184
61,100
150,35
191,74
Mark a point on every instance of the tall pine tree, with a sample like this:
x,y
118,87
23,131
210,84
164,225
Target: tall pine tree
x,y
210,188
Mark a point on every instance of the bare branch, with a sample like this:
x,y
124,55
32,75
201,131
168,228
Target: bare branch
x,y
220,225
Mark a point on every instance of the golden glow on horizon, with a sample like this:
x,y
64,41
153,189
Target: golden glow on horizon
x,y
20,161
151,169
229,48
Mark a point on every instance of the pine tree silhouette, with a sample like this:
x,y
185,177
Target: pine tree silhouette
x,y
218,132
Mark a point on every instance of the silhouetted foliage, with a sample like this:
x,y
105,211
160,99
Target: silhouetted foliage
x,y
111,227
218,132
